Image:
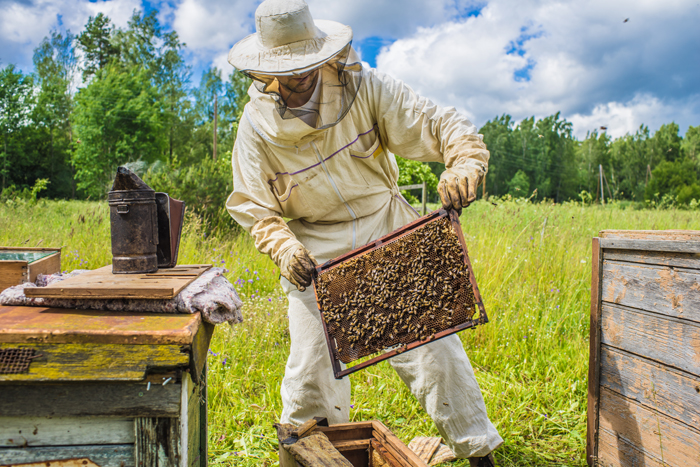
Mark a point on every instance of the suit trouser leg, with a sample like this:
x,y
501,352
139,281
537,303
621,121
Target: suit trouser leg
x,y
441,377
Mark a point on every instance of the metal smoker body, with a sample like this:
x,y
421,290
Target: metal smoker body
x,y
134,221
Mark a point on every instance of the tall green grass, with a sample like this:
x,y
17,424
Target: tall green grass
x,y
532,264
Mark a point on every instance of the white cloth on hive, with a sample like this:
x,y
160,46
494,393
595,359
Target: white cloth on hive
x,y
211,294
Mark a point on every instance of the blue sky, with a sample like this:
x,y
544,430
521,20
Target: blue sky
x,y
485,58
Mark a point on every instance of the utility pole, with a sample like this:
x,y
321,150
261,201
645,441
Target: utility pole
x,y
602,195
216,121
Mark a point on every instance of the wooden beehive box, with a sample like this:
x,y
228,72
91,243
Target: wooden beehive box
x,y
644,374
19,265
363,444
107,388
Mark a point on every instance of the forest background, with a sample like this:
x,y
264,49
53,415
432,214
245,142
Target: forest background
x,y
113,96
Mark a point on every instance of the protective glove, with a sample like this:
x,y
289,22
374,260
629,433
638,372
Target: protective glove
x,y
457,187
298,268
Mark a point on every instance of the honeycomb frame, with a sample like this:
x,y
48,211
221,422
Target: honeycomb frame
x,y
384,289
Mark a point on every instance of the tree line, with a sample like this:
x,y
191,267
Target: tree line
x,y
111,96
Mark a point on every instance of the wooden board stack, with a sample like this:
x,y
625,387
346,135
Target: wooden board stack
x,y
644,374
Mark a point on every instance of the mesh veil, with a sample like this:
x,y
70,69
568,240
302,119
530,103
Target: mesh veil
x,y
336,86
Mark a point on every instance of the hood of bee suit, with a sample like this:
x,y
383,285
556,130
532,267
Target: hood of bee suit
x,y
263,109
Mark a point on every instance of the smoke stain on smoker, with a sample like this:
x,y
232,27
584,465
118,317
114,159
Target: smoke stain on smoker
x,y
404,291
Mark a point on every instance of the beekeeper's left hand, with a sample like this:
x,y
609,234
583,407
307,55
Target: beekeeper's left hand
x,y
457,187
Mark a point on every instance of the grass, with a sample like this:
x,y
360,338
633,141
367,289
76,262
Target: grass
x,y
532,263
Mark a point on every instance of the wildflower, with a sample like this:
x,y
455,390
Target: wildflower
x,y
224,362
269,300
352,406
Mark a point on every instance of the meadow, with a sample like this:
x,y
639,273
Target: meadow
x,y
532,264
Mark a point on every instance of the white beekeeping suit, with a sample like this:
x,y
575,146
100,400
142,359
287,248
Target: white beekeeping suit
x,y
329,166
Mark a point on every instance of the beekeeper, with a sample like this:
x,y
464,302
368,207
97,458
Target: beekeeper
x,y
315,145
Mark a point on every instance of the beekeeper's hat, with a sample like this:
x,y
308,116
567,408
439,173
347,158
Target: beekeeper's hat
x,y
288,39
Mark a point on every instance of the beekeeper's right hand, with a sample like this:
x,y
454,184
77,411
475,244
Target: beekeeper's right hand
x,y
298,267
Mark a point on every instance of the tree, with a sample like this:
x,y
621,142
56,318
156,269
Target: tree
x,y
674,179
16,104
54,68
117,119
97,45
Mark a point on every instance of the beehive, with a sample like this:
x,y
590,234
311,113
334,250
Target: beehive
x,y
406,289
644,373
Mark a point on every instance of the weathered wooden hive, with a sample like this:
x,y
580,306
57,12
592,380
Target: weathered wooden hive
x,y
102,388
644,374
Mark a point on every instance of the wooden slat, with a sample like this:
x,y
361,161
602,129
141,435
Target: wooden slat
x,y
670,291
193,424
662,235
61,325
91,362
351,445
102,284
79,462
665,339
594,355
85,399
203,418
385,455
347,431
655,386
424,447
47,265
395,446
657,435
616,452
157,442
104,456
64,431
679,260
683,246
13,273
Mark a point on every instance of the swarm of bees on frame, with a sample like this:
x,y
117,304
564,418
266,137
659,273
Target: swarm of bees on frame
x,y
402,292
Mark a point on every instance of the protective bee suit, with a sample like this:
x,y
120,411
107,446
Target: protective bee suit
x,y
336,179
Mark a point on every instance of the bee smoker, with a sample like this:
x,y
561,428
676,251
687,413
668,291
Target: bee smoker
x,y
146,225
134,222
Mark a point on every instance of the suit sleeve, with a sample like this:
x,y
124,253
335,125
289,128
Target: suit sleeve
x,y
415,128
252,203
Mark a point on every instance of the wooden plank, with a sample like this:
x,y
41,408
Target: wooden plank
x,y
657,435
193,423
425,447
79,462
203,419
594,355
616,452
102,284
91,362
395,446
104,456
385,455
673,235
13,273
682,246
61,325
679,260
661,289
347,431
157,442
200,350
655,386
64,431
351,445
86,399
47,265
665,339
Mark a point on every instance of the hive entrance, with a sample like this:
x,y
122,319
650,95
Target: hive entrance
x,y
408,289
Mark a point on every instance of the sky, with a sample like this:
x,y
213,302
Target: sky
x,y
601,63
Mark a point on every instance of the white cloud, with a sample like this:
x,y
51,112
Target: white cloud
x,y
24,24
581,59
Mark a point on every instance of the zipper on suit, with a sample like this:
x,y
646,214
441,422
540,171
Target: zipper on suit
x,y
335,187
